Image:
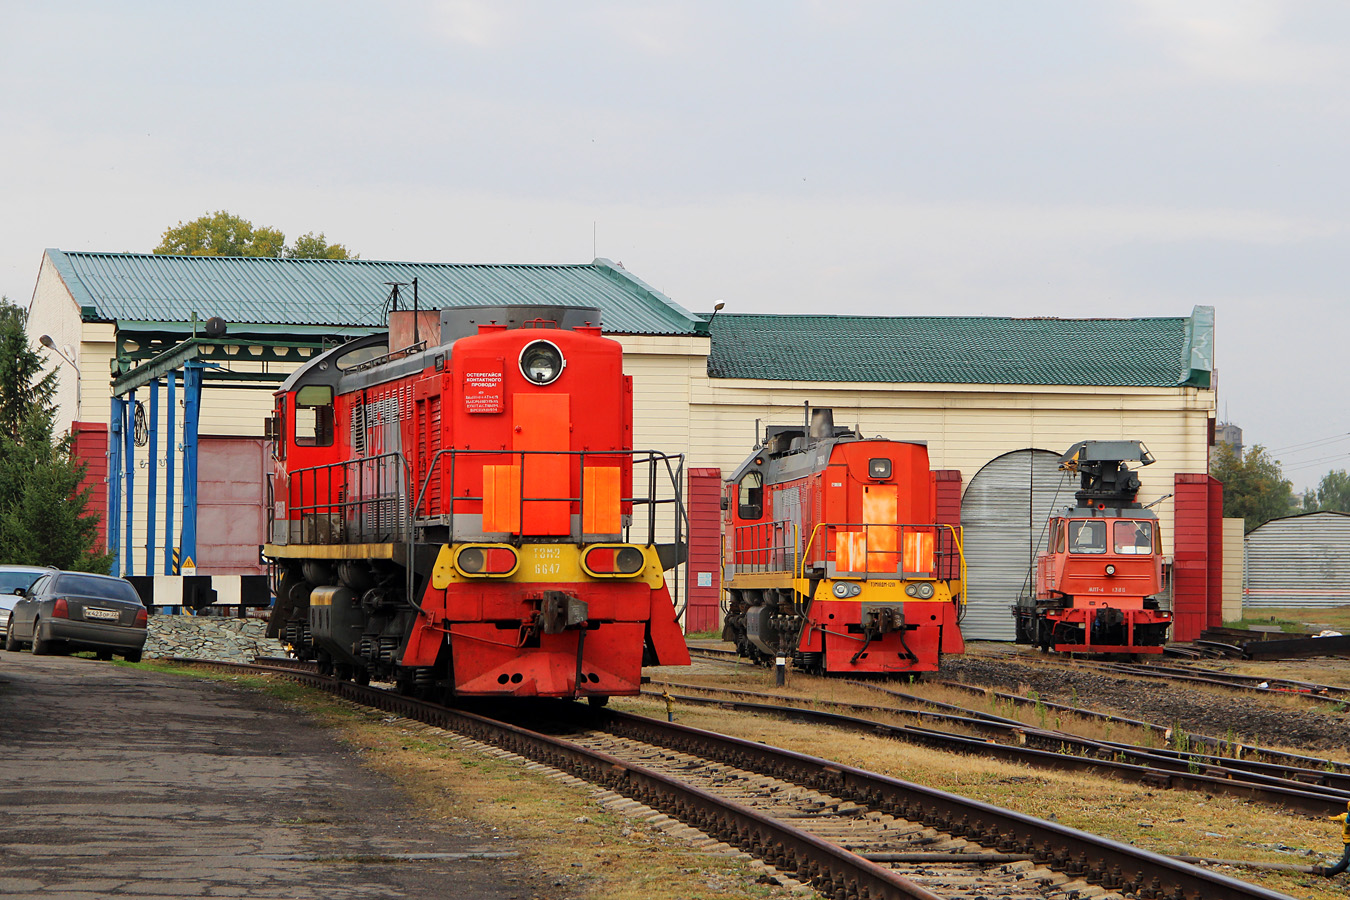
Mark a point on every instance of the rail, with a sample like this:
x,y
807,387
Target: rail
x,y
766,547
356,501
867,550
458,475
824,865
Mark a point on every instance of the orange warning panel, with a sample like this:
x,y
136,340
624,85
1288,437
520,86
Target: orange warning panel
x,y
919,552
600,500
850,551
501,499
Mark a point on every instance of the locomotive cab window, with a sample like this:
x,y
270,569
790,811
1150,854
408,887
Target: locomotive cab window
x,y
314,416
1131,537
1087,537
751,496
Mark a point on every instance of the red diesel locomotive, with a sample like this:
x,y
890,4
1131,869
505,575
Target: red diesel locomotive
x,y
1100,585
458,514
833,558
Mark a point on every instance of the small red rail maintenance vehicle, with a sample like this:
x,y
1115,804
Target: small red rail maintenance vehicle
x,y
1100,584
833,558
458,514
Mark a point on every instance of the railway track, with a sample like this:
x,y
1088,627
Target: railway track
x,y
1210,749
1308,691
1313,791
806,816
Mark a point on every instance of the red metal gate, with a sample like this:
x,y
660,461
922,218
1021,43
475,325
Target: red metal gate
x,y
231,518
703,612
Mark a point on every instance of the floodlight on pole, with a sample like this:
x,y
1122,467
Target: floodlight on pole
x,y
46,341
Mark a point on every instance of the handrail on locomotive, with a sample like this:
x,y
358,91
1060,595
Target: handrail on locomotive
x,y
353,525
751,555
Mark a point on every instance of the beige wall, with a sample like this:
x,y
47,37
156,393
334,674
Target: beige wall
x,y
966,426
679,409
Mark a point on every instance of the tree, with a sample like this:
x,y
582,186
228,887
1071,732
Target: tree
x,y
314,246
224,234
1254,487
43,519
1333,493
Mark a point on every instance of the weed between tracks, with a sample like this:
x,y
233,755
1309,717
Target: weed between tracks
x,y
1172,822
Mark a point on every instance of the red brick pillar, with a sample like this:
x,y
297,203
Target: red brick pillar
x,y
89,445
947,511
1197,567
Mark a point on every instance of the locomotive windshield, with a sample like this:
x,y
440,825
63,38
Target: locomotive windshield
x,y
1132,537
751,496
314,416
1087,537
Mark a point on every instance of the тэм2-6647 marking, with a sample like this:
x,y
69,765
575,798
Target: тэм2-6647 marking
x,y
455,510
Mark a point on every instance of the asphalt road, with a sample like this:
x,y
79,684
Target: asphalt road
x,y
116,782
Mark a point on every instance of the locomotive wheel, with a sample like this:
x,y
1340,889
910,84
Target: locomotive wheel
x,y
598,701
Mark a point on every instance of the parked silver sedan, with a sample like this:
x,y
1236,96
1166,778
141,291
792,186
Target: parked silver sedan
x,y
65,611
14,581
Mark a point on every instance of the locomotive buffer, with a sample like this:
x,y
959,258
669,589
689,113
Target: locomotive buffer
x,y
1099,583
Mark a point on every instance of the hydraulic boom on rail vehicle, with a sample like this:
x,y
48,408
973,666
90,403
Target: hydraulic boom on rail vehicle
x,y
457,507
833,556
1100,584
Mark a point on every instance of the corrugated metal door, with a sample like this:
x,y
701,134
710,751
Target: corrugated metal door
x,y
230,505
1300,561
1004,512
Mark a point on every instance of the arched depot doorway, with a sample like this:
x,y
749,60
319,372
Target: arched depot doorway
x,y
1004,513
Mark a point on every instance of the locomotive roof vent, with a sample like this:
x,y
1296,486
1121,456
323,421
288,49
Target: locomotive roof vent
x,y
463,321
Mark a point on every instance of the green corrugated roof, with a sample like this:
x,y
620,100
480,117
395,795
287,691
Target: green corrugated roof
x,y
1155,352
347,293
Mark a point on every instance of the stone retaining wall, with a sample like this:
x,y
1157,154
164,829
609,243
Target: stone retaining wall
x,y
210,637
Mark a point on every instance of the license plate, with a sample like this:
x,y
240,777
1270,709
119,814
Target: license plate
x,y
102,614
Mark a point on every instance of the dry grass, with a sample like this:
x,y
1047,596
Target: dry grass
x,y
1173,822
827,692
1309,620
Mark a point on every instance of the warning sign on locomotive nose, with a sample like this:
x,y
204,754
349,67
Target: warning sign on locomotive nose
x,y
483,386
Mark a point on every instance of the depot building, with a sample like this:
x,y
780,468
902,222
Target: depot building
x,y
996,400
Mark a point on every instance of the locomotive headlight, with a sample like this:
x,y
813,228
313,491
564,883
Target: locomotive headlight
x,y
489,560
1110,569
845,589
613,561
921,590
879,468
541,362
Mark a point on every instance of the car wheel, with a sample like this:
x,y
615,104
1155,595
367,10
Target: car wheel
x,y
104,655
11,642
132,656
40,647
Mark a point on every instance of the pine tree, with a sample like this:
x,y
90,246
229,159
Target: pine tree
x,y
43,517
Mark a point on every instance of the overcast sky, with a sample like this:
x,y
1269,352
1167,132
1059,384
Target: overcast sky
x,y
940,158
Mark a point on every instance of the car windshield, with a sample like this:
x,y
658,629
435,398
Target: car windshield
x,y
93,586
12,581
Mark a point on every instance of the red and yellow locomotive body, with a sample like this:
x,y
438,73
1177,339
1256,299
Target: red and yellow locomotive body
x,y
460,517
833,557
1100,584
